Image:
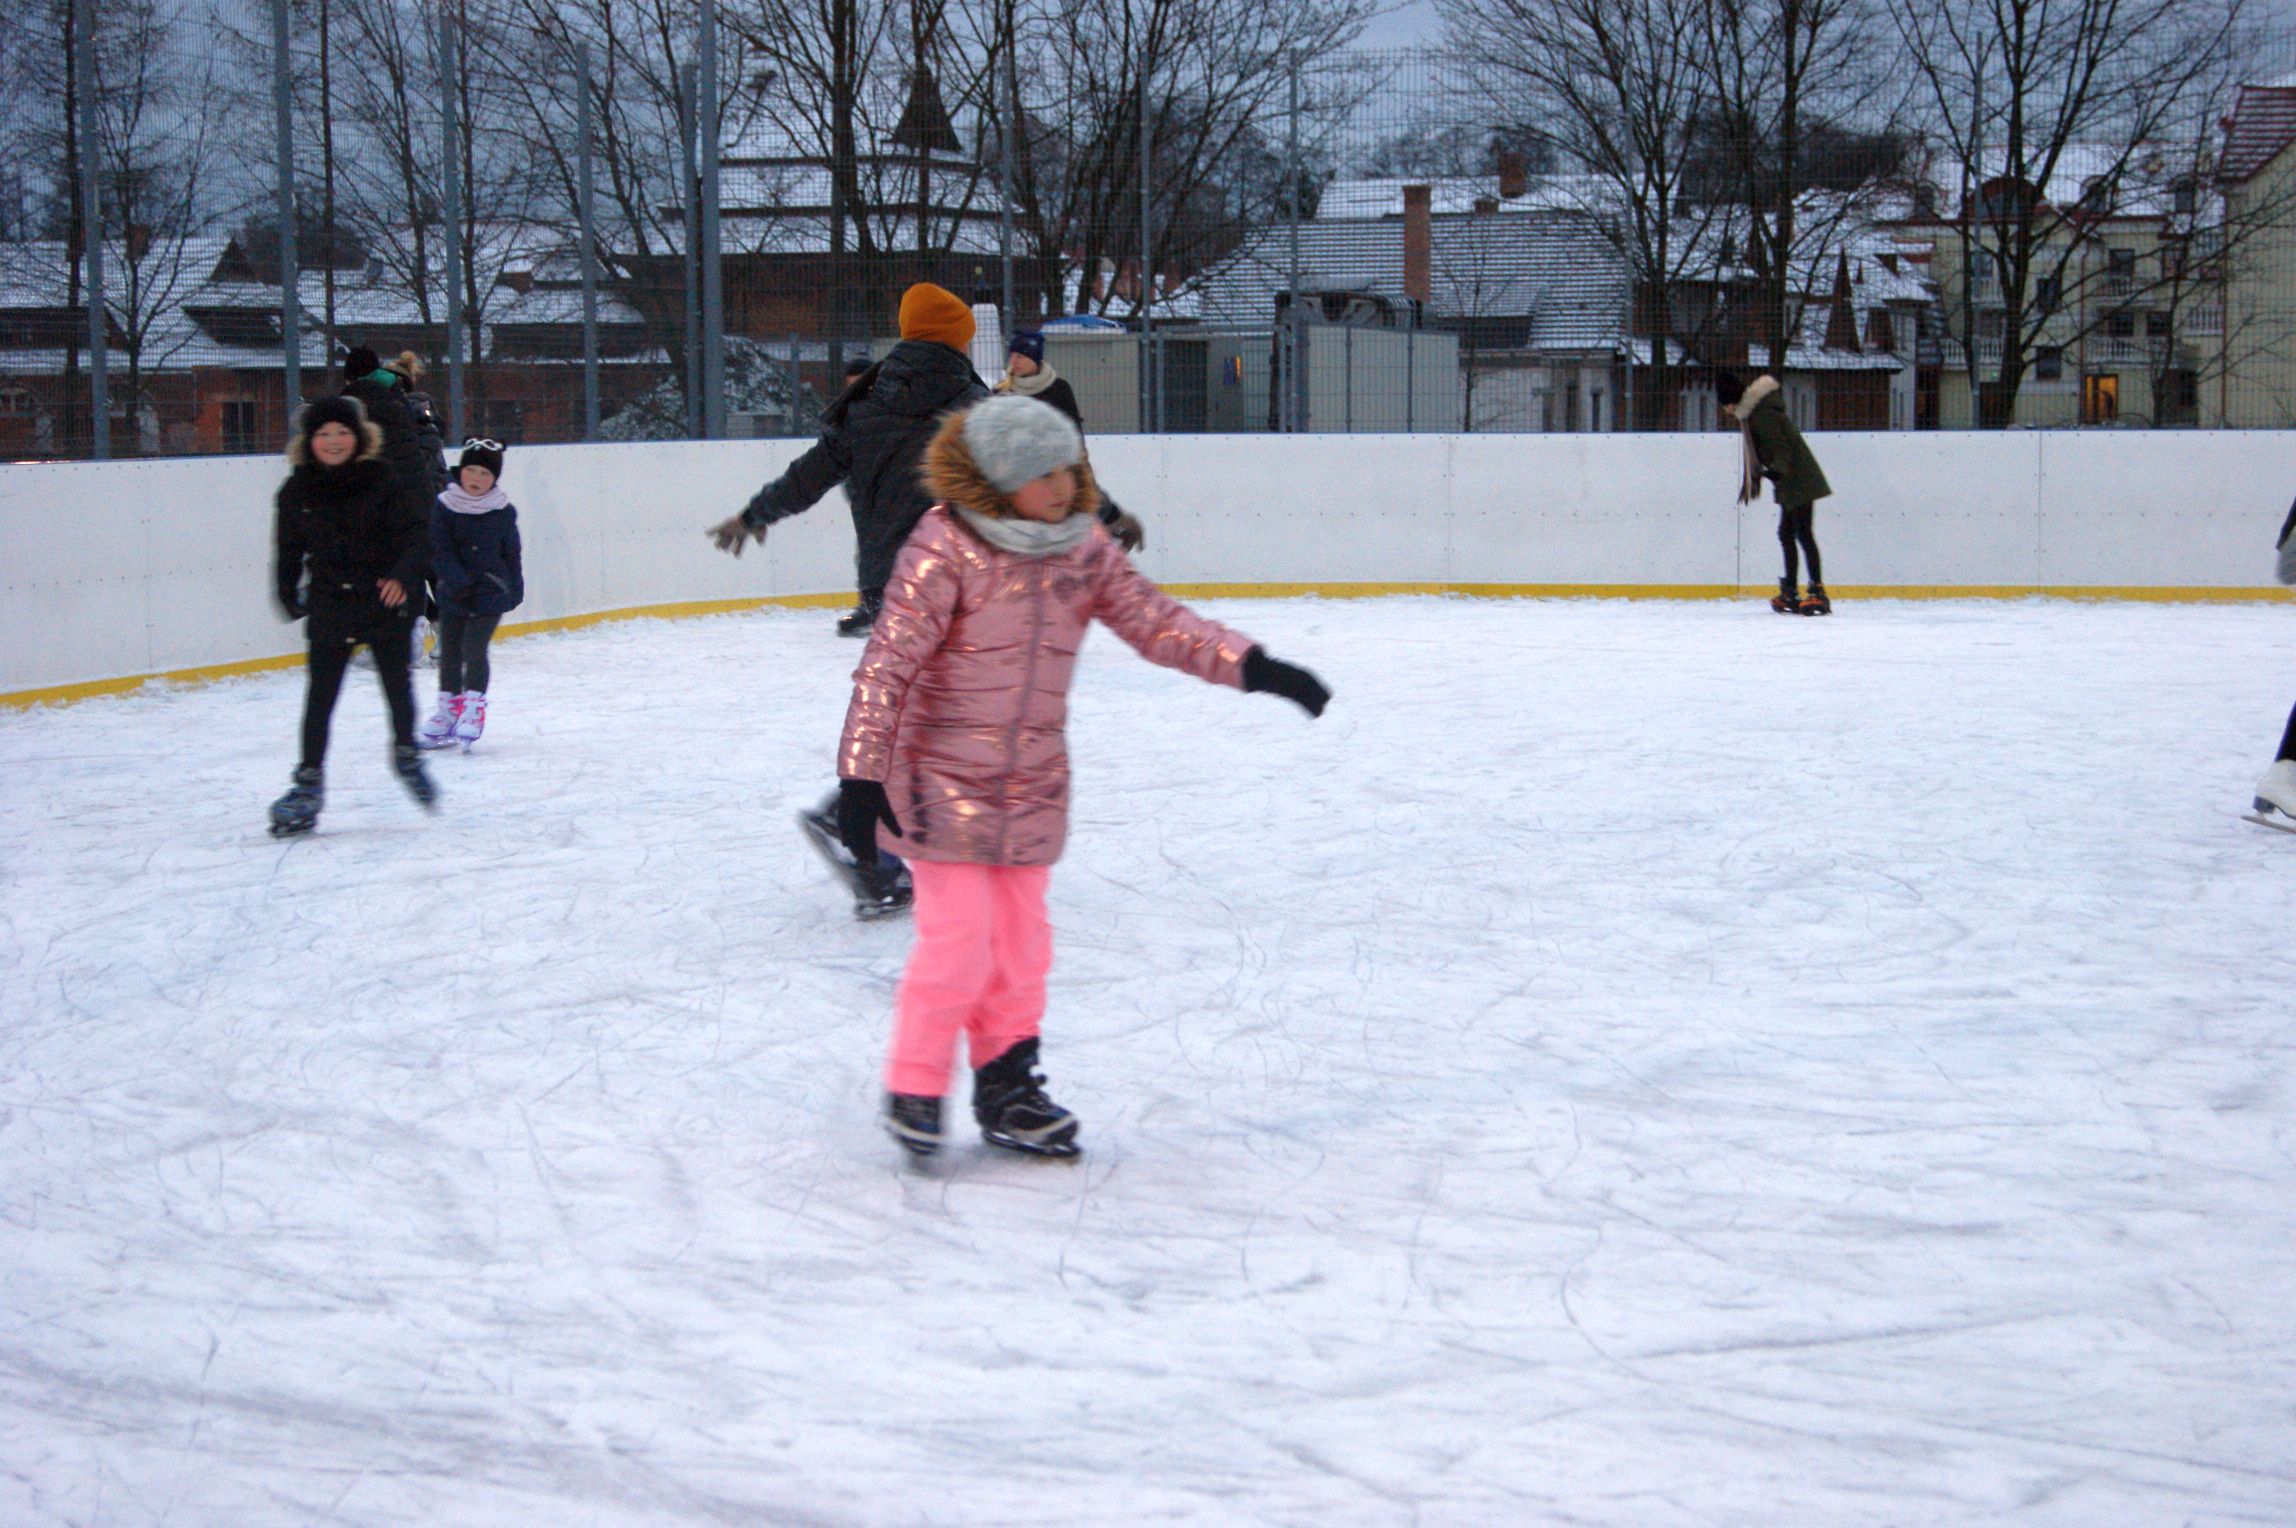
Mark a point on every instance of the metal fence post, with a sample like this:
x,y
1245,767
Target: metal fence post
x,y
290,305
712,255
588,212
92,240
1011,115
1294,386
451,121
1150,391
689,219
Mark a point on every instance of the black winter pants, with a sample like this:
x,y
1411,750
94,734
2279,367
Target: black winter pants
x,y
390,637
2288,739
462,661
1795,527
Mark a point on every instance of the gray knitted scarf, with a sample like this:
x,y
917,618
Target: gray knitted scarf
x,y
1029,538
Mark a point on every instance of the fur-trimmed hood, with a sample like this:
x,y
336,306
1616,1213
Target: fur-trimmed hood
x,y
325,411
951,476
1761,387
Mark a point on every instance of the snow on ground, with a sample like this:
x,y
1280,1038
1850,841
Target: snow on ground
x,y
1627,1064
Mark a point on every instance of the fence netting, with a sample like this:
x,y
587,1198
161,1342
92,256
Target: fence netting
x,y
660,219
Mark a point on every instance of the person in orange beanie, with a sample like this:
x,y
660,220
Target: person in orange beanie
x,y
872,439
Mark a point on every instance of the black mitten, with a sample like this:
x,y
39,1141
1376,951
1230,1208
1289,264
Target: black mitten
x,y
1297,685
861,805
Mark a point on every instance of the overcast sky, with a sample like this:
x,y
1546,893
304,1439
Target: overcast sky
x,y
1410,23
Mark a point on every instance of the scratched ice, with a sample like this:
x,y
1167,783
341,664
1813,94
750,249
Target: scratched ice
x,y
1627,1064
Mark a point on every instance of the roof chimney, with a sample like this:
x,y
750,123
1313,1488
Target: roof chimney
x,y
1418,243
1514,175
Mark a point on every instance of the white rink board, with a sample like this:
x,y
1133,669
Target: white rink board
x,y
114,570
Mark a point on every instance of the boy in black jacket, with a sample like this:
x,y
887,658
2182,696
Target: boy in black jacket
x,y
344,522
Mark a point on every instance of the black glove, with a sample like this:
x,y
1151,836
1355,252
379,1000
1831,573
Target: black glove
x,y
291,607
1297,685
861,805
1127,530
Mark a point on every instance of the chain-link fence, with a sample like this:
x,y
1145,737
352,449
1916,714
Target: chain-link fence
x,y
590,219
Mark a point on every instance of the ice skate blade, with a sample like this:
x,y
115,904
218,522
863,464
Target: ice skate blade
x,y
2268,816
293,830
917,1148
1060,1148
871,912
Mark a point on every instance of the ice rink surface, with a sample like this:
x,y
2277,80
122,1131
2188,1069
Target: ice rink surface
x,y
1629,1063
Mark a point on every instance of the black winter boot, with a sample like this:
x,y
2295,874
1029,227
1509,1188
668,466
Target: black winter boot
x,y
408,765
297,812
1009,1103
1785,602
858,621
914,1120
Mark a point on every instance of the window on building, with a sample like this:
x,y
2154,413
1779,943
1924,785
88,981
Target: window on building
x,y
2157,326
2184,196
2180,397
2049,364
15,403
2121,325
241,421
2120,269
2100,398
2049,293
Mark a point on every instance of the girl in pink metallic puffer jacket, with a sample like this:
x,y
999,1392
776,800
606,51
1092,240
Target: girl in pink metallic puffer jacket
x,y
955,744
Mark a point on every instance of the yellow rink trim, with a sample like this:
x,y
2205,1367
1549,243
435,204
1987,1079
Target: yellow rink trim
x,y
64,694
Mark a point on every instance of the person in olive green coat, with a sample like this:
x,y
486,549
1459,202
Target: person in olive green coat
x,y
1774,449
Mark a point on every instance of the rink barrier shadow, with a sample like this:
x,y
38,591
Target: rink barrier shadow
x,y
66,694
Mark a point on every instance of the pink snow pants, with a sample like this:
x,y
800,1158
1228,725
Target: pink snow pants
x,y
984,946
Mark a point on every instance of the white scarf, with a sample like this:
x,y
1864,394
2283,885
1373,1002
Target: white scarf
x,y
1029,538
1032,384
485,504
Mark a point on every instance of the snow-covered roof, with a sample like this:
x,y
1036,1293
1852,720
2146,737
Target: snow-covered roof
x,y
1354,200
202,310
1555,269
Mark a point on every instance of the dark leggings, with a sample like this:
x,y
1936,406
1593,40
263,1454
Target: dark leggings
x,y
391,643
2288,739
1794,525
462,643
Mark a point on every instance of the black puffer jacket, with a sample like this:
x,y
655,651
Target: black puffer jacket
x,y
872,439
348,527
415,467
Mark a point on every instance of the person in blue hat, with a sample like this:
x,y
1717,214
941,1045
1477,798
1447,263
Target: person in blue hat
x,y
1029,375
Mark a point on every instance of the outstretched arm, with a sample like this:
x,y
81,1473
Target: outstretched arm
x,y
825,464
1161,629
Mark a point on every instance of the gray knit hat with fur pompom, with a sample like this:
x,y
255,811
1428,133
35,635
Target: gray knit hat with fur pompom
x,y
1015,441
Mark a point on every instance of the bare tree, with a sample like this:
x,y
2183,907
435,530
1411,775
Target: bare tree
x,y
1216,73
1778,71
2026,94
1625,86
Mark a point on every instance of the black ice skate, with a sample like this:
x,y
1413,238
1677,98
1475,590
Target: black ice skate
x,y
914,1120
879,890
858,621
408,765
1816,603
297,812
1784,601
1009,1102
